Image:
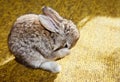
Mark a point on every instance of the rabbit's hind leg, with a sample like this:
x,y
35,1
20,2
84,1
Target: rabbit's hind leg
x,y
38,61
51,66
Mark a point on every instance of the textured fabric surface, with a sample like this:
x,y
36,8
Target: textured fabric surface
x,y
95,57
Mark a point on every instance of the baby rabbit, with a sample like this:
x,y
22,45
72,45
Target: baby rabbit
x,y
38,40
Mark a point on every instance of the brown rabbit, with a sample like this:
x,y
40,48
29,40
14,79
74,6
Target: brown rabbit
x,y
38,40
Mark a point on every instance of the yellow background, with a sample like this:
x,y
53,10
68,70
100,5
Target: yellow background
x,y
95,57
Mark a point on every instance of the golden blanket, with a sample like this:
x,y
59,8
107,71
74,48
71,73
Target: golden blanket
x,y
95,57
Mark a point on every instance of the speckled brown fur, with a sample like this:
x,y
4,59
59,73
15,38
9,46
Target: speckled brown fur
x,y
36,41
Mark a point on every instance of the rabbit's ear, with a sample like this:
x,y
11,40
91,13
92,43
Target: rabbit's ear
x,y
48,23
52,14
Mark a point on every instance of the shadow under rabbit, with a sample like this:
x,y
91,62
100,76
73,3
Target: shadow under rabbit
x,y
14,72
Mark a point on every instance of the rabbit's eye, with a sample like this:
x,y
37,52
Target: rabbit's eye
x,y
66,46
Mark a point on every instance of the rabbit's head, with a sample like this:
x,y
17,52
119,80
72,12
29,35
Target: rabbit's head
x,y
66,29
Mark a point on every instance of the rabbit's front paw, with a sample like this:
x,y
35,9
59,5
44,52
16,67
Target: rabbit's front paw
x,y
61,53
51,66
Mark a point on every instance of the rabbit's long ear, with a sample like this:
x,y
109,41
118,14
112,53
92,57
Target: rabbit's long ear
x,y
48,23
52,14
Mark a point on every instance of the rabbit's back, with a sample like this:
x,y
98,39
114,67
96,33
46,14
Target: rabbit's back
x,y
29,36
